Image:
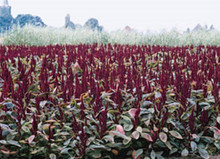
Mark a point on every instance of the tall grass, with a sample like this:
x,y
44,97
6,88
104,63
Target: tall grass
x,y
30,35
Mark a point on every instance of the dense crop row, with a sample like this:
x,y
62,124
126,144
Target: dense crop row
x,y
109,101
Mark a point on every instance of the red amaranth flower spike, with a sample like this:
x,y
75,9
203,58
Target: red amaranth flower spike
x,y
34,126
192,121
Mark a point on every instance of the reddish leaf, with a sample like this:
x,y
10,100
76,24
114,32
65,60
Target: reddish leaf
x,y
176,134
31,139
163,137
133,155
135,135
120,129
147,137
132,112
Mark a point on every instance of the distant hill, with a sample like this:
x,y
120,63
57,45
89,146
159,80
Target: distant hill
x,y
24,19
7,21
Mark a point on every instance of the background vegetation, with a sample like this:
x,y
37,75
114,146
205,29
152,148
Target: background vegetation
x,y
30,35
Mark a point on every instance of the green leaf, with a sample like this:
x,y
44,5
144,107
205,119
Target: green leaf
x,y
128,127
65,150
168,145
151,110
25,129
203,153
104,95
194,146
37,150
138,153
165,130
176,134
217,144
204,104
135,135
96,147
32,87
139,129
174,150
96,154
118,134
73,143
67,142
108,138
185,153
218,119
13,142
3,142
43,103
90,140
126,141
115,145
5,127
64,133
153,154
9,105
216,132
146,103
10,136
127,123
160,157
163,137
53,156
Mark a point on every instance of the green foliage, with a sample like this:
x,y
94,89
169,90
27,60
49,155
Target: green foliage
x,y
30,35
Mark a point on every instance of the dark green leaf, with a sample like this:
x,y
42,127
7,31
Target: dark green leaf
x,y
108,138
9,105
65,150
96,154
118,134
96,147
3,142
153,154
203,153
127,123
67,142
193,146
13,142
174,150
53,156
185,153
64,133
4,127
168,145
126,141
218,119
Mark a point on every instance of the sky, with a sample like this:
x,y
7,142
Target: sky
x,y
141,15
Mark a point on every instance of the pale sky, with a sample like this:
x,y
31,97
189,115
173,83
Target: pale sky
x,y
142,15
